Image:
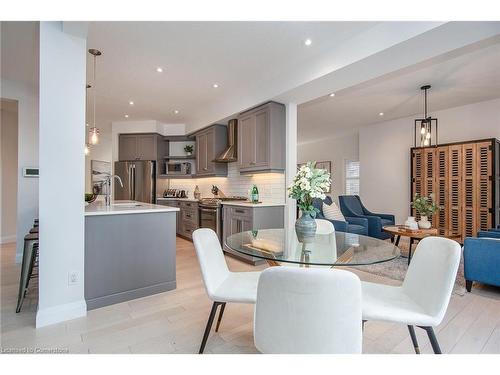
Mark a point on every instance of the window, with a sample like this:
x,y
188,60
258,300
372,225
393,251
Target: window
x,y
352,177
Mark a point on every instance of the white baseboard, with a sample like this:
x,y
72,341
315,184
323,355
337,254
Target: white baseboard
x,y
7,239
60,313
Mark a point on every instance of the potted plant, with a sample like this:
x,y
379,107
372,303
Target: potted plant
x,y
188,149
425,206
308,183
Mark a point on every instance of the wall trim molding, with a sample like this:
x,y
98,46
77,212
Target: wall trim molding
x,y
60,313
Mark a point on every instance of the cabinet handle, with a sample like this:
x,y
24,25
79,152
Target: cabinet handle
x,y
239,211
205,169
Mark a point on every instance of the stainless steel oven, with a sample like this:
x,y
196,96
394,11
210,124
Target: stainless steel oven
x,y
210,215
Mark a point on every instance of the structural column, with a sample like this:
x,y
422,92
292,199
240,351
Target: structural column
x,y
291,168
62,172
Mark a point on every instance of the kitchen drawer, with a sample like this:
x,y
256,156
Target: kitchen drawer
x,y
190,216
246,212
187,229
189,205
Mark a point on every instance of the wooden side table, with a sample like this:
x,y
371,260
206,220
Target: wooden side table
x,y
413,234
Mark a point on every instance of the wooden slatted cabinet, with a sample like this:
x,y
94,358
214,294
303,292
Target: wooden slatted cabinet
x,y
465,180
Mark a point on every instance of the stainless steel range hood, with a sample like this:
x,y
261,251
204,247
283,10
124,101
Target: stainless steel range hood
x,y
230,154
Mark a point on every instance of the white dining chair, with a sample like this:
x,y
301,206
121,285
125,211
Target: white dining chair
x,y
423,298
324,226
308,310
221,285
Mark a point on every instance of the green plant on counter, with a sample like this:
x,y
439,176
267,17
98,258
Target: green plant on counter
x,y
188,149
425,206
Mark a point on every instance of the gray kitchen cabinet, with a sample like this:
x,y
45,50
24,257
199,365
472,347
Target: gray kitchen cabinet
x,y
127,147
172,203
143,146
187,217
210,142
261,139
238,219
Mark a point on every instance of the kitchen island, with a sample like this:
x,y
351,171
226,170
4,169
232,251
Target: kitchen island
x,y
129,251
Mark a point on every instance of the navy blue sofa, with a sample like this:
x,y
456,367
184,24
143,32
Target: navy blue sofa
x,y
351,207
482,258
351,225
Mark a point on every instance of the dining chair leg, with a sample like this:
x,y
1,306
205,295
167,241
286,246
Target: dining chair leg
x,y
433,339
414,339
209,326
221,311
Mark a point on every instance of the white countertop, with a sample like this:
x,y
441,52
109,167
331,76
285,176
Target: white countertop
x,y
125,207
253,205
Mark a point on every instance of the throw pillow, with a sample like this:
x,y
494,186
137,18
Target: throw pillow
x,y
332,212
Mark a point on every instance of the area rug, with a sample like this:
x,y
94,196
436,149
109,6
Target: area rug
x,y
396,269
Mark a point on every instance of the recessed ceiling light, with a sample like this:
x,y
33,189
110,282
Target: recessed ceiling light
x,y
332,95
131,102
126,116
159,70
381,114
215,85
308,42
176,111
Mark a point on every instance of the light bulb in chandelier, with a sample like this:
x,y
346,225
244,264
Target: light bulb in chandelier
x,y
87,149
428,135
94,136
422,130
426,142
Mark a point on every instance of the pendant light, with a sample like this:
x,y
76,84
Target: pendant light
x,y
93,131
427,126
87,145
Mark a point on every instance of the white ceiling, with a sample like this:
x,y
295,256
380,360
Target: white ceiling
x,y
239,56
456,80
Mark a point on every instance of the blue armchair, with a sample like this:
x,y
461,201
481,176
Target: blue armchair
x,y
351,207
351,225
482,259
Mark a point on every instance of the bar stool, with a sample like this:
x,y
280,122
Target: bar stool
x,y
29,255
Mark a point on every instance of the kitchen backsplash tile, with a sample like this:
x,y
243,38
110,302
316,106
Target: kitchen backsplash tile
x,y
271,185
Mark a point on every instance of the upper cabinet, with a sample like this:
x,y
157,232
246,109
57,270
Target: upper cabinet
x,y
261,139
210,142
144,146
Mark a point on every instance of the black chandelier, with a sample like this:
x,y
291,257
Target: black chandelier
x,y
426,128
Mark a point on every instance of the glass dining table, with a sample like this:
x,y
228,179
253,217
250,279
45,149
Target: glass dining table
x,y
334,249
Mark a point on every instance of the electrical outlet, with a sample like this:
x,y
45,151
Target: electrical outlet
x,y
72,278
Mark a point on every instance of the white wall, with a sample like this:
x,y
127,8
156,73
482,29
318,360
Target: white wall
x,y
8,167
62,162
27,146
101,151
384,152
336,150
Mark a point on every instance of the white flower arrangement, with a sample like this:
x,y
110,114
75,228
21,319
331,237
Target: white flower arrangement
x,y
309,183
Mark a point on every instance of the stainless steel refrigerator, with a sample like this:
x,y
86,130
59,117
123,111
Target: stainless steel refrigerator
x,y
139,181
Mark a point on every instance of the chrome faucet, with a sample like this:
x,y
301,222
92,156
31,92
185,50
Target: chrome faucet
x,y
107,184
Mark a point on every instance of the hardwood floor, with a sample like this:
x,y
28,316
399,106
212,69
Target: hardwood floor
x,y
173,322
